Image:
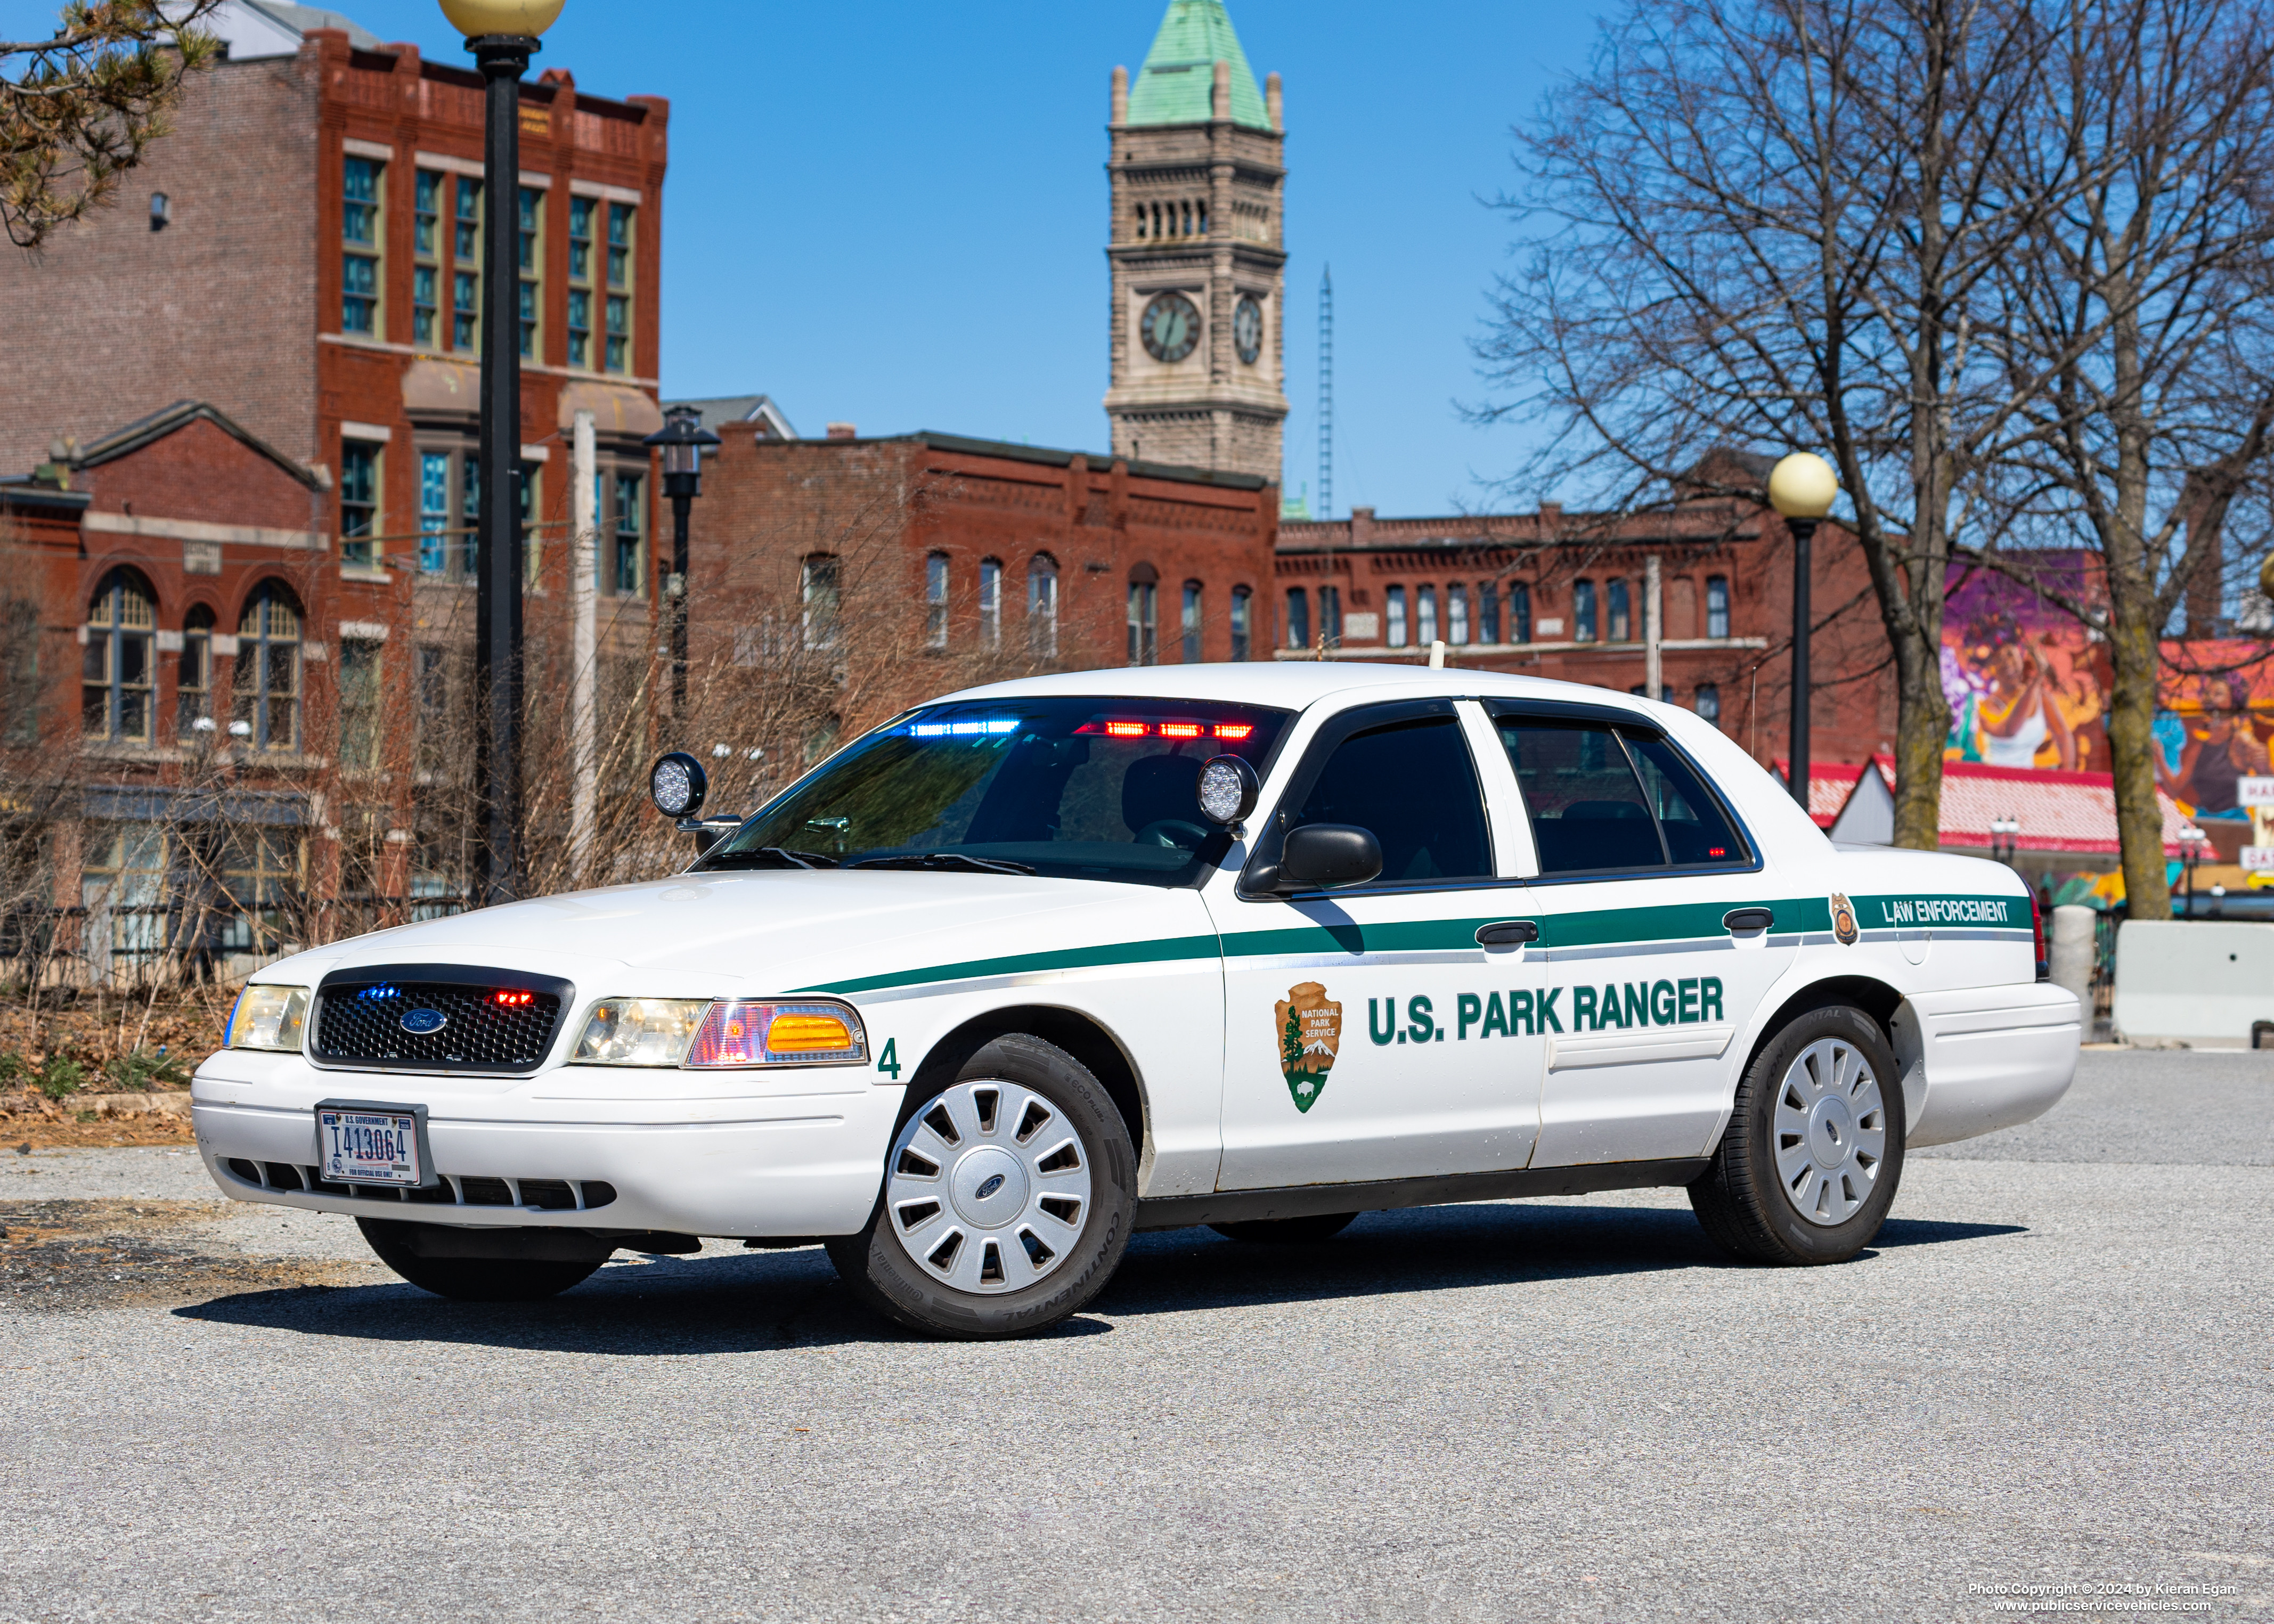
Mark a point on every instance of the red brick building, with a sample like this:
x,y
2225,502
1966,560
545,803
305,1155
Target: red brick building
x,y
1565,595
251,404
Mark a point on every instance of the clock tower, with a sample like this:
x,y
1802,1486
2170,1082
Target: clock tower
x,y
1197,254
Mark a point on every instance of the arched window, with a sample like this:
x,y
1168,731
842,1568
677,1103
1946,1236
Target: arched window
x,y
1299,618
991,604
934,600
119,676
267,697
1144,615
1395,600
1042,605
193,691
1717,606
1190,623
1583,612
1243,616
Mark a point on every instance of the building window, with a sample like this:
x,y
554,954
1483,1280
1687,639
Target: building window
x,y
934,600
359,705
1330,616
261,871
435,547
359,234
430,697
631,535
1519,612
426,244
1424,602
1717,606
193,680
1583,612
358,502
119,682
1042,605
1189,624
530,260
1243,615
122,885
581,213
1299,618
991,604
818,593
1457,614
267,696
1144,623
1620,626
1708,702
1487,611
1394,601
466,276
619,282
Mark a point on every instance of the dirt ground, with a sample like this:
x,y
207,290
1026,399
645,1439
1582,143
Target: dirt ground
x,y
19,1132
79,1255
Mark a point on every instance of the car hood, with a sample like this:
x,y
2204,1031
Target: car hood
x,y
771,931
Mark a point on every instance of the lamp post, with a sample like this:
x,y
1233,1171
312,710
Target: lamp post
x,y
2192,841
502,34
1800,488
2005,838
683,440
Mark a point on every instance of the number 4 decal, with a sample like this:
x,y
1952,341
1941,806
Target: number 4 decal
x,y
890,1060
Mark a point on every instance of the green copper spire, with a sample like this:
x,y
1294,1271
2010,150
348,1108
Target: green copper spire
x,y
1173,85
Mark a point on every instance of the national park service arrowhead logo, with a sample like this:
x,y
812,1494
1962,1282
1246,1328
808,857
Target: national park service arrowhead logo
x,y
1843,919
1310,1032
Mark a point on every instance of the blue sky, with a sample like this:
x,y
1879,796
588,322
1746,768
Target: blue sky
x,y
894,215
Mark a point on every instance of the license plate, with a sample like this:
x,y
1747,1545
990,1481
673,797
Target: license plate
x,y
369,1147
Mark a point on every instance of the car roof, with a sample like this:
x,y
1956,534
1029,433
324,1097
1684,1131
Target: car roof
x,y
1294,685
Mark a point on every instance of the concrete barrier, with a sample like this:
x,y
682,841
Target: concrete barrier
x,y
2203,983
2071,954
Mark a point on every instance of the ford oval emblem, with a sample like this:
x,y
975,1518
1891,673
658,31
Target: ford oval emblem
x,y
424,1022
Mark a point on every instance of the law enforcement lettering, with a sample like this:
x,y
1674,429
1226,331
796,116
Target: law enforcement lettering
x,y
1614,1006
1945,910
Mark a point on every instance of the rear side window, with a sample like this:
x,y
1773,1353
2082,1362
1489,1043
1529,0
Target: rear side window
x,y
1602,801
1413,784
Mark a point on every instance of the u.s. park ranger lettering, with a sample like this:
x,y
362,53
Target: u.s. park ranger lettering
x,y
1522,1012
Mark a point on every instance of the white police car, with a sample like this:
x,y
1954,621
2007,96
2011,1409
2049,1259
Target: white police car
x,y
1045,963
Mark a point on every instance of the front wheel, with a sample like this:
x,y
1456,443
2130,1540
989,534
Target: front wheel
x,y
1008,1196
1809,1164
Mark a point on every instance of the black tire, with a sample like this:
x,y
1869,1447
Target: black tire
x,y
471,1279
1287,1231
1746,1208
878,1268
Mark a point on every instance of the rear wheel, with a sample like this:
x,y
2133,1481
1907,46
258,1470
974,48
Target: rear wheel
x,y
471,1279
1287,1231
1809,1164
1008,1196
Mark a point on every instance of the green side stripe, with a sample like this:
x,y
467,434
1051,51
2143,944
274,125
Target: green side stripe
x,y
1022,964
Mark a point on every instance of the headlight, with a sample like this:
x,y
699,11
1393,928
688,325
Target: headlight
x,y
267,1017
742,1031
641,1032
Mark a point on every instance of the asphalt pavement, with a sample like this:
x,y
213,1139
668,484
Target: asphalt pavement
x,y
2054,1369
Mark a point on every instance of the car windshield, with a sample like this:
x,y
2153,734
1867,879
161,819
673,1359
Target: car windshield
x,y
1084,788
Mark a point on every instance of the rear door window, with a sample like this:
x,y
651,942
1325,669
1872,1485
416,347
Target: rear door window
x,y
1601,800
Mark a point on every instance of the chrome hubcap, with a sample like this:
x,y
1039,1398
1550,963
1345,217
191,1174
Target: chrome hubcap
x,y
988,1187
1831,1132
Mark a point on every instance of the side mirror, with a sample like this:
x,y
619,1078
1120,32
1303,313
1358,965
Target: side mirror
x,y
1320,856
677,784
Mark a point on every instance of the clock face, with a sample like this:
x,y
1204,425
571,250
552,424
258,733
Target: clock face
x,y
1170,327
1247,329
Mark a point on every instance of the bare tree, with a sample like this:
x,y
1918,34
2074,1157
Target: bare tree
x,y
80,110
1769,222
2143,302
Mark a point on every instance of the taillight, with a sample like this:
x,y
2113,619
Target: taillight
x,y
2037,933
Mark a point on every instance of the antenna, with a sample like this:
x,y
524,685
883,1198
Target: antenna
x,y
1326,392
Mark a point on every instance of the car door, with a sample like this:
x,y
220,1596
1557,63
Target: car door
x,y
1353,1047
1659,934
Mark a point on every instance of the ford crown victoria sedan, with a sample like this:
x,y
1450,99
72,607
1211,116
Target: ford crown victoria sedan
x,y
1042,963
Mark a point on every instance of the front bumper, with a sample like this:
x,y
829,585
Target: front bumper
x,y
796,1152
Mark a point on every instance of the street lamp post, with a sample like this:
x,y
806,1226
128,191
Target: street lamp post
x,y
502,34
2005,838
683,440
1800,488
2192,841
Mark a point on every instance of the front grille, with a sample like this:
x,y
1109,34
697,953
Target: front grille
x,y
558,1195
491,1020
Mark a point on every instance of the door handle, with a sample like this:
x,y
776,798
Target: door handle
x,y
1748,918
1508,933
